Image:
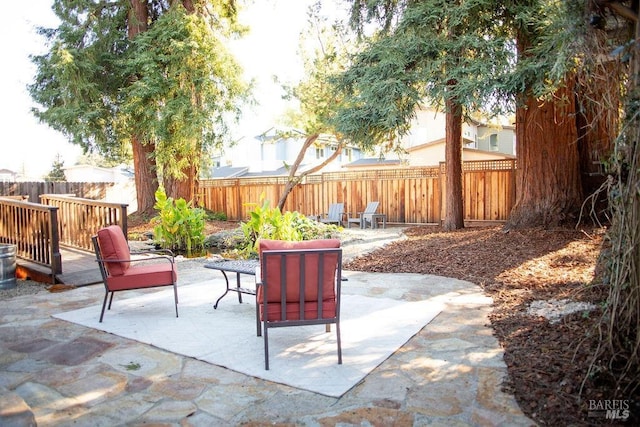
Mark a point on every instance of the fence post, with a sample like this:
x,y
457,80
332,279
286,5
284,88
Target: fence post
x,y
238,201
443,191
54,242
123,218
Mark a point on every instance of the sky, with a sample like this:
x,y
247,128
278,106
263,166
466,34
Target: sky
x,y
30,147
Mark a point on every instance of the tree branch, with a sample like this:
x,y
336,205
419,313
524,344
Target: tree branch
x,y
619,8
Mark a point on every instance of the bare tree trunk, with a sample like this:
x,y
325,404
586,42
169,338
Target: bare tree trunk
x,y
548,184
138,18
294,179
454,213
144,165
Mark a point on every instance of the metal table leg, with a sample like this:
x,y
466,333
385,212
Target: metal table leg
x,y
226,279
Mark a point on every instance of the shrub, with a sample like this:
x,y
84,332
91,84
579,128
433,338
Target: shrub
x,y
215,216
179,226
266,222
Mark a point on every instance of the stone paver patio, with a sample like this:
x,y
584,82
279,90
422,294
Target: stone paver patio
x,y
55,373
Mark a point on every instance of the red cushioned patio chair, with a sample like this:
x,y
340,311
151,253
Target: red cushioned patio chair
x,y
299,284
121,273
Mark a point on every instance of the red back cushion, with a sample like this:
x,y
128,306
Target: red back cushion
x,y
113,245
272,274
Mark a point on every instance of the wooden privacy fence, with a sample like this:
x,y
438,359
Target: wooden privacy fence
x,y
32,228
32,191
79,218
407,195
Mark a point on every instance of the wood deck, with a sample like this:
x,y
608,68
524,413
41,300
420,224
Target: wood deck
x,y
79,268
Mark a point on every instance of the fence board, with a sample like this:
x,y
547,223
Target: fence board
x,y
79,218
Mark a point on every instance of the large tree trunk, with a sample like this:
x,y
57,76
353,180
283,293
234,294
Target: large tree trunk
x,y
146,178
144,165
548,185
182,188
454,210
598,106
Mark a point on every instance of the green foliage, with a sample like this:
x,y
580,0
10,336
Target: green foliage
x,y
266,222
214,216
57,173
178,226
439,50
325,51
132,366
174,85
484,55
77,82
189,87
311,229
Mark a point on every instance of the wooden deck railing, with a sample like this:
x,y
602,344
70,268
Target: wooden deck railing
x,y
32,227
80,218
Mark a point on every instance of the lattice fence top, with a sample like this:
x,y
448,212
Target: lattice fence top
x,y
432,172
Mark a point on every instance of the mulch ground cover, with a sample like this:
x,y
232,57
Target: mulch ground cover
x,y
548,362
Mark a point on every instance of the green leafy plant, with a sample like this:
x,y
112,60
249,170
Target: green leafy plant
x,y
132,366
266,222
311,229
179,226
215,216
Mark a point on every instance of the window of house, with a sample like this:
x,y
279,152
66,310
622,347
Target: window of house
x,y
348,153
319,153
493,142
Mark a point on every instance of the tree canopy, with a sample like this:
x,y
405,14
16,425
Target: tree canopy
x,y
157,74
56,174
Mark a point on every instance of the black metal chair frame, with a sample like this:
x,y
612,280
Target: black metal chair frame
x,y
320,320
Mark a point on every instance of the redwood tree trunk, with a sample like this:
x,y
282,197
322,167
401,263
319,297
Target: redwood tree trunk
x,y
144,165
454,210
548,184
146,178
182,188
598,106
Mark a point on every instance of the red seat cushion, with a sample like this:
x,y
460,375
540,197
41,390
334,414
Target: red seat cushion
x,y
113,245
293,310
271,277
144,276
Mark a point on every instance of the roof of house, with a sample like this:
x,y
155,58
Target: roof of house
x,y
434,142
373,161
229,172
237,172
465,141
